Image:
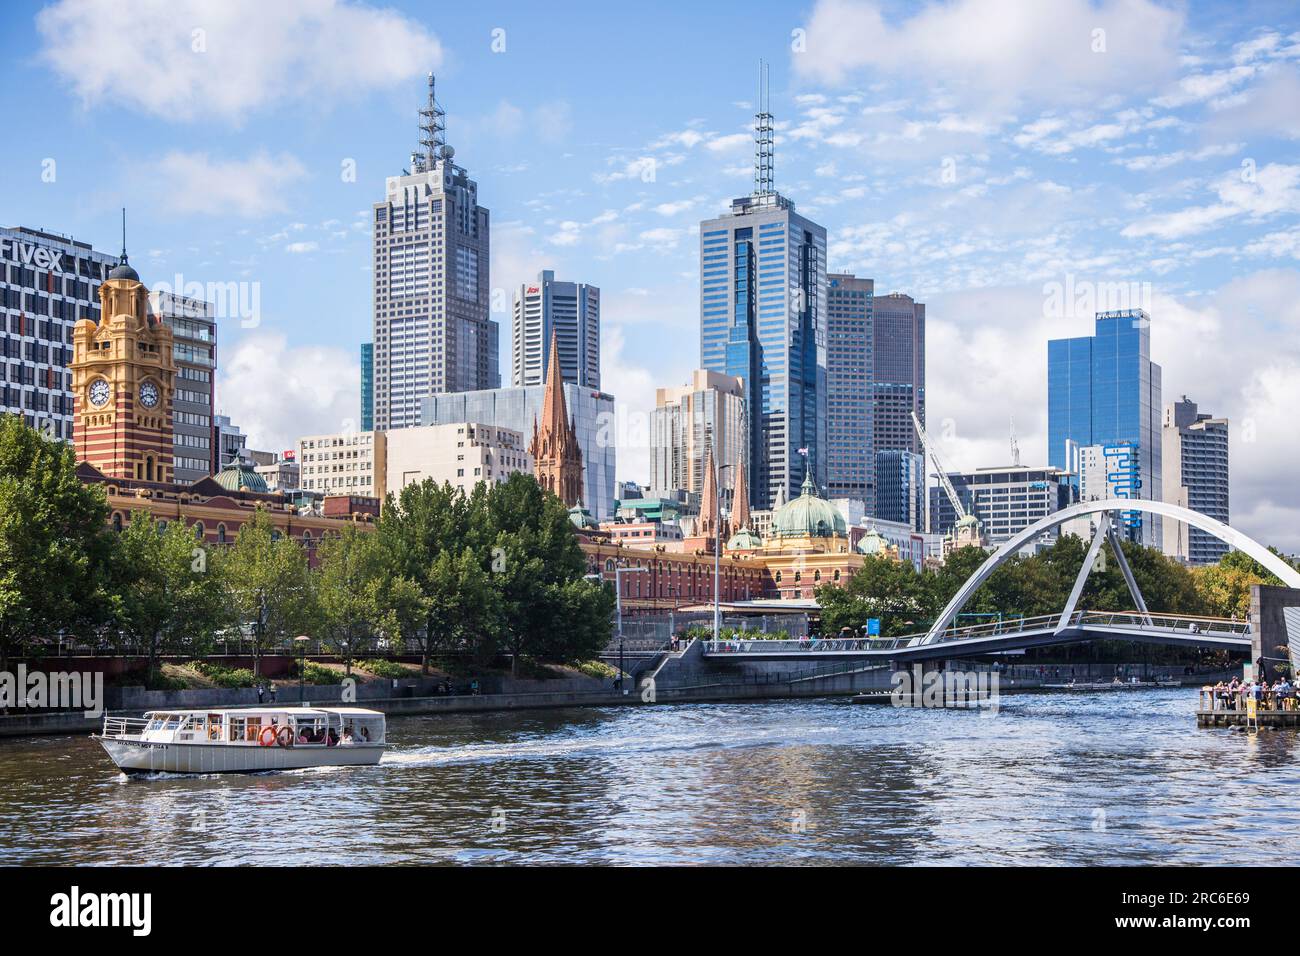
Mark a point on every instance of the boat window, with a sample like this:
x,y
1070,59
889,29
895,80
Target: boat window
x,y
214,726
155,723
254,728
237,728
173,721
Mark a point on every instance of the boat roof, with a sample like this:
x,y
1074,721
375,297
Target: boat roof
x,y
252,711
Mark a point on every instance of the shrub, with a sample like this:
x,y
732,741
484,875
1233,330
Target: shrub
x,y
320,674
385,669
225,676
596,669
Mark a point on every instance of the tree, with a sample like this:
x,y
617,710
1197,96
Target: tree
x,y
415,529
267,584
167,599
54,542
882,588
349,586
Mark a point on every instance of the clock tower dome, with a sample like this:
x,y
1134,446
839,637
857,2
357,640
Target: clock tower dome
x,y
123,373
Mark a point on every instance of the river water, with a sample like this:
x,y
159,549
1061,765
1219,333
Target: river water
x,y
1054,778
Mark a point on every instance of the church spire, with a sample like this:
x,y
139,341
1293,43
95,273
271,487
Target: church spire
x,y
708,523
740,501
557,457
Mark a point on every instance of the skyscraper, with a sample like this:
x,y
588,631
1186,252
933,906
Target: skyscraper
x,y
432,330
570,311
708,414
1195,459
48,282
367,386
194,331
762,319
1104,390
850,460
898,372
900,487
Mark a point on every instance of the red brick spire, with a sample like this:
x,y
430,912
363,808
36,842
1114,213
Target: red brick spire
x,y
557,458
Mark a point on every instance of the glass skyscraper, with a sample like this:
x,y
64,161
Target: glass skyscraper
x,y
850,365
763,319
1104,390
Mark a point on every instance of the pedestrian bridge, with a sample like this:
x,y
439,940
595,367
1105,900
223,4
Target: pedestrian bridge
x,y
943,640
1000,637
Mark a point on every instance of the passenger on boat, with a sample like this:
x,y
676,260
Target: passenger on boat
x,y
365,735
333,737
347,738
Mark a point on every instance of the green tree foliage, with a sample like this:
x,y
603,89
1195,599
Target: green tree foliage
x,y
496,571
350,593
167,597
267,584
54,544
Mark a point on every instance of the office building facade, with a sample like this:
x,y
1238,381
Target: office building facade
x,y
1195,461
346,463
900,488
462,455
567,311
194,346
709,412
48,282
1104,390
1005,500
897,372
763,320
518,409
850,462
432,329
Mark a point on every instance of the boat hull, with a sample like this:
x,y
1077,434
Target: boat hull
x,y
142,757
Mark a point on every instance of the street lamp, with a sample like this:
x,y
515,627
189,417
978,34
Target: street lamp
x,y
717,553
301,640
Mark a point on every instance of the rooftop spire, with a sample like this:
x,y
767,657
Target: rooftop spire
x,y
764,145
740,501
433,133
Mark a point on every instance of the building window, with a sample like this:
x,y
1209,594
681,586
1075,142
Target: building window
x,y
221,534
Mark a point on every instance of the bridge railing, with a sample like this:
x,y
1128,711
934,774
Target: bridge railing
x,y
1170,623
1174,623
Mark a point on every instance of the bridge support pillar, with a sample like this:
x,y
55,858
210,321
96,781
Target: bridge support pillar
x,y
1274,626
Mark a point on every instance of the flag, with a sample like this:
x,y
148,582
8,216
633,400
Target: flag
x,y
804,452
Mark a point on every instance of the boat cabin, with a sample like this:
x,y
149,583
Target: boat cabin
x,y
252,727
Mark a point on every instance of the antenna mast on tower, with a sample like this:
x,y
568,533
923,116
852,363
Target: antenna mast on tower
x,y
433,133
764,145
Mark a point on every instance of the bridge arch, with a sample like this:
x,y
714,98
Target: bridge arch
x,y
1289,575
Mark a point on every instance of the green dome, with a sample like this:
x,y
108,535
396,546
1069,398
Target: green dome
x,y
582,518
808,516
240,477
744,540
873,543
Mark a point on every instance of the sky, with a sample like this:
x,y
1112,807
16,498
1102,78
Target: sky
x,y
984,156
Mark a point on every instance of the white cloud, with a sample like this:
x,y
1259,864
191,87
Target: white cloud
x,y
300,247
276,393
185,59
1275,189
1006,50
195,183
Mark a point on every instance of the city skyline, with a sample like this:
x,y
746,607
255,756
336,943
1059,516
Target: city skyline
x,y
977,210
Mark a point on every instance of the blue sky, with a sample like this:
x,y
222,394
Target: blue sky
x,y
978,154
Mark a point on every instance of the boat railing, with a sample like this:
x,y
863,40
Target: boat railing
x,y
124,726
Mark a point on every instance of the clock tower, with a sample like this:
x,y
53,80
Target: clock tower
x,y
123,373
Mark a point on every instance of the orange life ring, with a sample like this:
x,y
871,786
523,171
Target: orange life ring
x,y
285,737
263,739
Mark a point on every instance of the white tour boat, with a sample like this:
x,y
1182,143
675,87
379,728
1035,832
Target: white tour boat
x,y
244,740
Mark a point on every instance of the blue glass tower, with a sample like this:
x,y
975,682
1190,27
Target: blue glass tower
x,y
763,319
1105,390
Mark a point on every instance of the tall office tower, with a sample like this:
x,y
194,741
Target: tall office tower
x,y
763,320
232,443
1104,390
850,461
48,283
367,386
898,371
194,345
900,487
708,413
569,310
1195,455
432,330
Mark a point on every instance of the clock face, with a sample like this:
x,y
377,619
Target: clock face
x,y
148,394
99,392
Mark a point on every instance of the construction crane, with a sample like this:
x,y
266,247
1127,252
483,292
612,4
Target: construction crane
x,y
967,528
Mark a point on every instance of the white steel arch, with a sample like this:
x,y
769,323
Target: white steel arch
x,y
1289,575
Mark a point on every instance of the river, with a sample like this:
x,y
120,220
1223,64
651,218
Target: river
x,y
1054,778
